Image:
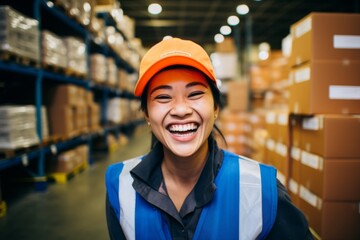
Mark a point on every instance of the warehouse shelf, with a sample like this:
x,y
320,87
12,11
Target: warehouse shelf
x,y
65,79
60,17
16,68
54,148
57,21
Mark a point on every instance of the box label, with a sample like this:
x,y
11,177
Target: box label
x,y
344,92
295,153
281,149
303,28
346,41
309,197
270,144
281,178
270,118
293,186
282,119
302,75
311,160
313,123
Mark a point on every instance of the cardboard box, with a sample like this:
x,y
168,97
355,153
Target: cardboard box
x,y
331,219
331,136
281,159
61,119
331,179
293,190
325,87
80,117
325,36
66,94
237,97
295,157
271,126
226,46
277,126
295,130
260,78
66,162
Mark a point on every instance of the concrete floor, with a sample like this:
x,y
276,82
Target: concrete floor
x,y
75,210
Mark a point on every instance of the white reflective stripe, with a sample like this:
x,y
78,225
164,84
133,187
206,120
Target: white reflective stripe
x,y
127,201
250,199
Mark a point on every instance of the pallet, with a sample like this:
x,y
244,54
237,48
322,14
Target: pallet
x,y
3,209
53,68
72,73
65,177
7,56
10,153
61,137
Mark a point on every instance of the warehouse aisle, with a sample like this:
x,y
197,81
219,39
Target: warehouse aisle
x,y
74,210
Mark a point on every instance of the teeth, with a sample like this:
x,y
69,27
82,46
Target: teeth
x,y
183,128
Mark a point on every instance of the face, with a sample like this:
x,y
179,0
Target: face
x,y
181,110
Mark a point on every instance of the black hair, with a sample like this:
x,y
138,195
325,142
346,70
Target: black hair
x,y
218,102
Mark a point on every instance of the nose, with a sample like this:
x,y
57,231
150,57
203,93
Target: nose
x,y
181,108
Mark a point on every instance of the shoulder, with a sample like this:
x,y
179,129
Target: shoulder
x,y
249,163
114,170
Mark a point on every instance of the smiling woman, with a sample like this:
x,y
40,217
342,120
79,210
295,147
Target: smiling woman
x,y
186,187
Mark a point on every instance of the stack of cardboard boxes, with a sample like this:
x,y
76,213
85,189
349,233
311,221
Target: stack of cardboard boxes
x,y
70,160
324,129
72,111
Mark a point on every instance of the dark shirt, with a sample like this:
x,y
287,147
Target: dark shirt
x,y
290,223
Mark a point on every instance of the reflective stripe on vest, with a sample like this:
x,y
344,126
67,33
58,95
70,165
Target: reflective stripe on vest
x,y
237,211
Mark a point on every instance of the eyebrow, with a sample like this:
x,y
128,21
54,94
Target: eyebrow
x,y
192,84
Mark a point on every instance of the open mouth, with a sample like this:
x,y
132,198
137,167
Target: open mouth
x,y
183,129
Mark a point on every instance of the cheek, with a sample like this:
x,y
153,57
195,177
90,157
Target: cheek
x,y
156,112
205,107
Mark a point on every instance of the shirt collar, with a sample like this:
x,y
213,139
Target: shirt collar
x,y
148,171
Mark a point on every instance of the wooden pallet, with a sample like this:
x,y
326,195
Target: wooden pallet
x,y
65,177
8,56
53,68
54,138
72,73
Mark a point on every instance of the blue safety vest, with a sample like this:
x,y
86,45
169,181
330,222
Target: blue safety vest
x,y
244,204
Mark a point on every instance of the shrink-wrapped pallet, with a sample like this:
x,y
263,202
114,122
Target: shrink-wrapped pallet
x,y
53,50
76,61
19,35
17,127
98,70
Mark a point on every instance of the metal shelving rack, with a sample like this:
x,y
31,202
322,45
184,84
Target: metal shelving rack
x,y
43,12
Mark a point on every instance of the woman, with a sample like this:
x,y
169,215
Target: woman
x,y
186,187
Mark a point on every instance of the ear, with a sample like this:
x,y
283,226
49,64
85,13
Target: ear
x,y
216,111
146,116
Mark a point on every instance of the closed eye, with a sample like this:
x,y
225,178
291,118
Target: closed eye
x,y
163,98
196,94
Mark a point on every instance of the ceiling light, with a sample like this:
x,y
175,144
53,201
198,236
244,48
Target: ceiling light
x,y
49,4
219,38
233,20
225,30
154,8
242,9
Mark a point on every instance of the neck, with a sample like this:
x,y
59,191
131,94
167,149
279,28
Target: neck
x,y
184,169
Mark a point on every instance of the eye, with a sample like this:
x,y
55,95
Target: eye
x,y
196,94
163,98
